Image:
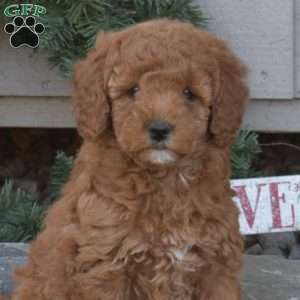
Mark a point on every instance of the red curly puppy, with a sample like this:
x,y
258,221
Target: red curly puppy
x,y
147,213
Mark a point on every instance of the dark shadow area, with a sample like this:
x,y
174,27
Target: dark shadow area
x,y
280,154
27,154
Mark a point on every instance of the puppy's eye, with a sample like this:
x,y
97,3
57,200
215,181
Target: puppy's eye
x,y
132,91
189,95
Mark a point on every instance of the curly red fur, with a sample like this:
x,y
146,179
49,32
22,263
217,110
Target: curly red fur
x,y
127,226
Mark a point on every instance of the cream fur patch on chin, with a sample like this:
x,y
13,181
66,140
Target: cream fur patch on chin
x,y
162,156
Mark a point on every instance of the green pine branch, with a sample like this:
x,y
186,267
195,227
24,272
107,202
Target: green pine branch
x,y
20,215
244,153
60,172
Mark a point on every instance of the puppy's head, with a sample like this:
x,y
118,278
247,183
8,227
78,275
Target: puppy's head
x,y
167,90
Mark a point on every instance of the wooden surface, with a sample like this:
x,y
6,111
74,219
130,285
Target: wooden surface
x,y
297,48
56,112
25,73
264,33
41,112
273,115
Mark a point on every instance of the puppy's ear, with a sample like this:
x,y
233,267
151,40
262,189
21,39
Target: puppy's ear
x,y
231,96
90,99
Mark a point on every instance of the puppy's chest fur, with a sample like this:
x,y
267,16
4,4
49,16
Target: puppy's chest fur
x,y
155,241
163,234
162,257
167,263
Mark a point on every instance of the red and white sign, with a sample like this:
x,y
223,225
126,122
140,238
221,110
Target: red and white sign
x,y
268,204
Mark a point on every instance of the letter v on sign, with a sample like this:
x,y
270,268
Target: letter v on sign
x,y
248,211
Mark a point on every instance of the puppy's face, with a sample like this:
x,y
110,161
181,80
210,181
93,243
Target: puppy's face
x,y
169,88
160,103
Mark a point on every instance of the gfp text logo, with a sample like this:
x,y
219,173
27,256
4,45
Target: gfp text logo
x,y
24,10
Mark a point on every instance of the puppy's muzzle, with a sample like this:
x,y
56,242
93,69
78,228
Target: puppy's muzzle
x,y
159,131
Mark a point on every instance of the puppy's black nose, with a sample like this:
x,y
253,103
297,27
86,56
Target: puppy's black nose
x,y
159,130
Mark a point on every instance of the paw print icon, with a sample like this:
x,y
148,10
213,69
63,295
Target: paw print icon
x,y
24,32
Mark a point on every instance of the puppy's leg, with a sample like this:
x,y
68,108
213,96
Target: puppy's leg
x,y
104,285
49,270
222,289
